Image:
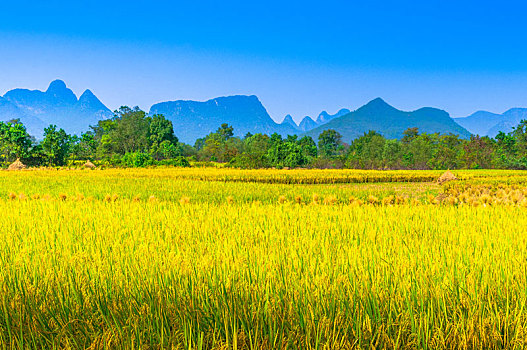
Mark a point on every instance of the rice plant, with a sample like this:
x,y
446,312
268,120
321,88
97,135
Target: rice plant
x,y
160,258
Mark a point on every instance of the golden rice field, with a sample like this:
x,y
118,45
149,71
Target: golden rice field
x,y
262,259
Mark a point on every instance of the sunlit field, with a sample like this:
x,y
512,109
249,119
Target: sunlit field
x,y
262,259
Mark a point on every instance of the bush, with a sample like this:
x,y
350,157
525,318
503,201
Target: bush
x,y
177,162
326,163
137,160
246,161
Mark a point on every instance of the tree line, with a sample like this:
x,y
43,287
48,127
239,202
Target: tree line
x,y
132,138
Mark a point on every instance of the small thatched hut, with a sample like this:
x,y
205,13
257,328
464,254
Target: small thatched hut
x,y
17,165
446,177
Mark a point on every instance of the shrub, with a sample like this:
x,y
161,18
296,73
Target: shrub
x,y
137,159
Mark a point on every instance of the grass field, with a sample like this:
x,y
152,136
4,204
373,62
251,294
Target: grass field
x,y
223,258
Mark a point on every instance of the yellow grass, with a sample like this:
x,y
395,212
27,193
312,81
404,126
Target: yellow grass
x,y
153,259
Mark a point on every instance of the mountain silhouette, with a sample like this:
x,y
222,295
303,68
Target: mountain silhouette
x,y
379,116
288,120
193,120
485,123
307,124
57,105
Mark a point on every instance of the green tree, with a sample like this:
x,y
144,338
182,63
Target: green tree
x,y
127,132
520,134
15,142
55,145
102,136
163,142
277,151
131,133
419,150
366,152
199,144
254,154
161,129
447,155
225,131
294,154
478,152
309,147
221,146
84,147
392,154
410,134
169,150
329,143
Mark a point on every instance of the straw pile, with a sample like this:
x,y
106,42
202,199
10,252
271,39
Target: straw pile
x,y
17,165
446,177
89,165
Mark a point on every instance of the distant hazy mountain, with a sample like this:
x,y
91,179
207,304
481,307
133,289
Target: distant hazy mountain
x,y
288,120
480,122
324,117
379,116
490,124
57,105
307,124
9,111
193,120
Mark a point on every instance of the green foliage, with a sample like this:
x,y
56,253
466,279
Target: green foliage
x,y
419,151
137,159
220,146
178,161
84,147
520,134
15,142
55,146
478,152
330,143
161,130
447,153
225,131
164,144
392,154
132,138
254,154
131,132
290,152
367,151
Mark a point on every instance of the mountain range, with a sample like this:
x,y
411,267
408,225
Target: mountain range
x,y
379,116
309,123
191,119
57,105
485,123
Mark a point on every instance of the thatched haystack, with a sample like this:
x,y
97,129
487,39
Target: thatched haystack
x,y
446,177
89,165
17,165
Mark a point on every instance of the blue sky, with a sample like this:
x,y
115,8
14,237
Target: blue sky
x,y
299,57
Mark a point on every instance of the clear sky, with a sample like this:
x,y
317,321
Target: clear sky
x,y
298,57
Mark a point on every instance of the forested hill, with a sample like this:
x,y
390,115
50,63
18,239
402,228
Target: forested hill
x,y
379,116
